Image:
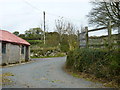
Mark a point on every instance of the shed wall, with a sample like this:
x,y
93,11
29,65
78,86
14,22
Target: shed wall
x,y
0,53
5,56
13,54
22,56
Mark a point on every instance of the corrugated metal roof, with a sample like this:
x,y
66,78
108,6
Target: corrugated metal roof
x,y
9,37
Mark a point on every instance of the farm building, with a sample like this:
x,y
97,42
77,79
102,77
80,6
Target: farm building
x,y
13,49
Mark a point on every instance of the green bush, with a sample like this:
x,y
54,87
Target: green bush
x,y
101,63
34,42
64,48
70,59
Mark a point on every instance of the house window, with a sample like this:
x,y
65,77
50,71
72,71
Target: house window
x,y
22,50
3,48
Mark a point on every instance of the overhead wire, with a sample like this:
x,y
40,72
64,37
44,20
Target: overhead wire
x,y
54,15
31,5
59,16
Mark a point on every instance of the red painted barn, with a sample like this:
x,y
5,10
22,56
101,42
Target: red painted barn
x,y
13,49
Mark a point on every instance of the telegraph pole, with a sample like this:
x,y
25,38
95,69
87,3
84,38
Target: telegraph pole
x,y
44,25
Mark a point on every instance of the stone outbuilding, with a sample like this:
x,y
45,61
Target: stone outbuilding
x,y
13,49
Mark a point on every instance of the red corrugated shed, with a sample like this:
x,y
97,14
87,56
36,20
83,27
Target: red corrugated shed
x,y
9,37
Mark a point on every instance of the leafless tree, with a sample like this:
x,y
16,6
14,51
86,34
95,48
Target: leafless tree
x,y
60,26
65,27
102,12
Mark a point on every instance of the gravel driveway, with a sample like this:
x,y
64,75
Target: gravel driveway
x,y
45,73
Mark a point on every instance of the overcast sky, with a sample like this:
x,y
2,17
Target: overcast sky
x,y
21,15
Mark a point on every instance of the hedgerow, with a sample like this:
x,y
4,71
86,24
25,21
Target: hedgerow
x,y
101,63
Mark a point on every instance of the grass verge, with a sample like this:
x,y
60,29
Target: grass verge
x,y
90,77
102,64
5,80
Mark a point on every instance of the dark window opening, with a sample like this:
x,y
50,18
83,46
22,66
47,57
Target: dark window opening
x,y
22,50
3,48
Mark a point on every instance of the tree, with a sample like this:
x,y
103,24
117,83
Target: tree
x,y
60,27
22,36
34,33
102,12
64,47
66,28
52,39
16,33
72,37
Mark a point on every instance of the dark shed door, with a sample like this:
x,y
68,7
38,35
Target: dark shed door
x,y
27,53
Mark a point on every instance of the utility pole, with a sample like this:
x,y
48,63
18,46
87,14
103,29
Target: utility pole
x,y
109,35
78,38
44,25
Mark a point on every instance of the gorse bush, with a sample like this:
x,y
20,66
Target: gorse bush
x,y
101,63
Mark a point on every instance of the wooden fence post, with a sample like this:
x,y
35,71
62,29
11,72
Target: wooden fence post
x,y
87,40
109,35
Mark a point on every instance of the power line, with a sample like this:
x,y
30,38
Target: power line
x,y
31,5
39,9
62,16
59,16
55,15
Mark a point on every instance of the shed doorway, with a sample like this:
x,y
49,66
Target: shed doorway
x,y
27,53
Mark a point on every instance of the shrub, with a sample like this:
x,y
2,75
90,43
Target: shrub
x,y
99,62
64,48
70,59
34,42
